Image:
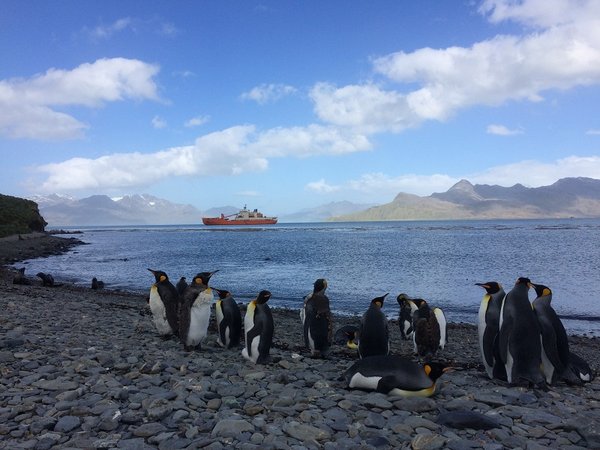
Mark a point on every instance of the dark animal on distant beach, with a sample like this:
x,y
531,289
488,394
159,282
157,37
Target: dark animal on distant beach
x,y
20,277
96,284
47,279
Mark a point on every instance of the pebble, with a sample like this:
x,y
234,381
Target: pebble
x,y
94,374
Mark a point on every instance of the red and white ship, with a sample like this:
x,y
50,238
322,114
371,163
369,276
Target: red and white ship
x,y
243,217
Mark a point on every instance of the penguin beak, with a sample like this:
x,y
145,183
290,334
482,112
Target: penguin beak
x,y
153,271
213,272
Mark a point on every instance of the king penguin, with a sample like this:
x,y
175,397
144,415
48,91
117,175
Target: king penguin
x,y
374,338
430,329
164,303
194,313
519,337
318,326
395,375
555,344
348,336
229,320
488,327
258,328
407,309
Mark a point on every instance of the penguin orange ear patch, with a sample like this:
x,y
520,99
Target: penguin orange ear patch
x,y
427,369
546,292
163,278
380,304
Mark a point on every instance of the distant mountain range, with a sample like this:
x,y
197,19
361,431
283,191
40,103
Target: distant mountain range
x,y
568,197
60,210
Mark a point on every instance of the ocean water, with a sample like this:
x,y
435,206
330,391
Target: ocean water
x,y
440,261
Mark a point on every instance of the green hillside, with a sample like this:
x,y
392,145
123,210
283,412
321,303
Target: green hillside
x,y
19,216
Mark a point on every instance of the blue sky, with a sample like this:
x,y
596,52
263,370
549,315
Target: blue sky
x,y
287,104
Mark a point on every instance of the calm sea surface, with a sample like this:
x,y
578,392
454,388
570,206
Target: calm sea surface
x,y
439,261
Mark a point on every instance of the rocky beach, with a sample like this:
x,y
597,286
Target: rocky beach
x,y
85,369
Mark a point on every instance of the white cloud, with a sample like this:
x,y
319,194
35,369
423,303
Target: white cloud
x,y
562,55
268,93
106,31
536,173
27,105
232,151
593,132
501,130
322,186
158,122
196,121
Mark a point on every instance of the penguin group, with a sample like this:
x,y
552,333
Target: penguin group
x,y
184,311
525,342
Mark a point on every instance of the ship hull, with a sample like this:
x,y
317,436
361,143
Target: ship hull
x,y
220,221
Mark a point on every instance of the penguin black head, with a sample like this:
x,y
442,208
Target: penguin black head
x,y
434,370
541,290
523,280
352,339
320,285
203,278
403,298
263,297
420,303
491,287
379,300
223,294
159,275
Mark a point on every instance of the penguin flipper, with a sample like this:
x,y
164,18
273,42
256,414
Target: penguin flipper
x,y
503,335
499,369
550,345
254,332
184,322
489,339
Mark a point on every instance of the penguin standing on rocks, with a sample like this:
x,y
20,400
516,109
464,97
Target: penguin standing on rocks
x,y
519,337
258,328
395,375
229,320
430,329
405,317
194,313
488,327
181,285
555,344
164,304
318,326
374,337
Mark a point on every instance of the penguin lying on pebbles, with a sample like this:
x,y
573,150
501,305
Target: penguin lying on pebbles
x,y
395,375
347,335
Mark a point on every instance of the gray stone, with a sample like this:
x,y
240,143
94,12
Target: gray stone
x,y
67,423
159,409
305,432
149,429
376,400
428,442
231,428
58,384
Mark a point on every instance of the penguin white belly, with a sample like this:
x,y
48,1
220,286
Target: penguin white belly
x,y
302,315
481,329
219,313
358,380
547,367
406,326
509,365
248,325
253,350
199,318
439,315
311,341
159,313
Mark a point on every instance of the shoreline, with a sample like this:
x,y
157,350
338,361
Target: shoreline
x,y
86,369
